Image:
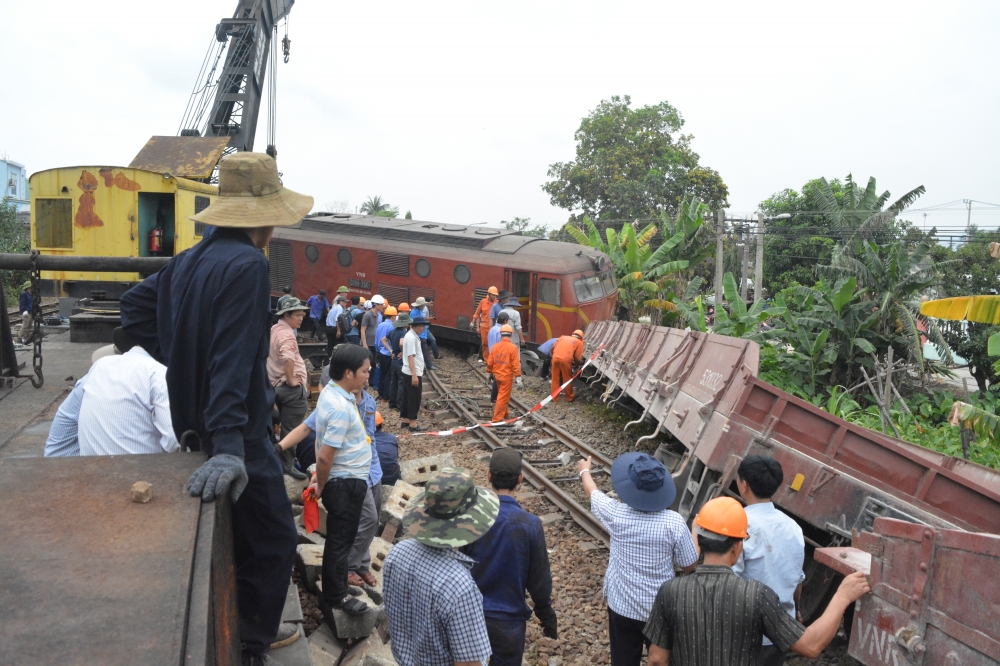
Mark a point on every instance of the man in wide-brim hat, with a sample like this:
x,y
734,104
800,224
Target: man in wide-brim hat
x,y
648,541
434,607
205,316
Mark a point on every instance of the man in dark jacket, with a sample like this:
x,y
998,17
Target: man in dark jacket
x,y
25,303
205,316
510,559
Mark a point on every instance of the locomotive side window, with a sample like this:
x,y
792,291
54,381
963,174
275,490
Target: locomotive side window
x,y
423,267
548,291
344,257
588,289
312,253
608,280
462,274
200,204
54,223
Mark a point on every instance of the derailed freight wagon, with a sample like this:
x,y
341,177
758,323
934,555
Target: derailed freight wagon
x,y
926,521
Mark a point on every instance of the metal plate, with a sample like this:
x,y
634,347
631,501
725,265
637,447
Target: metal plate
x,y
184,156
87,576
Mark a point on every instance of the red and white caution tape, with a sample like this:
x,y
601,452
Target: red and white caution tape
x,y
546,400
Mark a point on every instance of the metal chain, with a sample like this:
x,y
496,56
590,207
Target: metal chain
x,y
36,315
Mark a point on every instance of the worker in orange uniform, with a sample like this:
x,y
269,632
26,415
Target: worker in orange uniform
x,y
504,364
567,351
482,319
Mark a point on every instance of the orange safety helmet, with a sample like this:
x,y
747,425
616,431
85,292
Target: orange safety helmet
x,y
404,307
378,418
506,329
578,333
390,311
493,290
361,300
723,516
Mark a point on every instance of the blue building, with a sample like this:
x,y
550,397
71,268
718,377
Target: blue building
x,y
14,181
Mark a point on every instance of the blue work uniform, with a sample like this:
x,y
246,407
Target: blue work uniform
x,y
205,316
388,456
24,302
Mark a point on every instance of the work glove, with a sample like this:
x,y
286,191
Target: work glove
x,y
547,616
217,475
519,382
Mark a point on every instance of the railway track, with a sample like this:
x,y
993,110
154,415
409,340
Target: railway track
x,y
15,316
546,463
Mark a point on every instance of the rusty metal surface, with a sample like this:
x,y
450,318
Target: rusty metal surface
x,y
702,389
844,560
185,156
87,576
935,597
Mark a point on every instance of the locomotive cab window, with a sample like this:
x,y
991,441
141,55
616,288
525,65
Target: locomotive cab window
x,y
608,280
588,289
548,291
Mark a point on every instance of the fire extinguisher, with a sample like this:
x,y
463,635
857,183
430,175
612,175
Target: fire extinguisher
x,y
156,240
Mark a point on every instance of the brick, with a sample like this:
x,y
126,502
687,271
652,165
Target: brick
x,y
356,655
379,551
419,470
395,503
381,656
142,492
325,648
309,538
347,626
294,488
309,562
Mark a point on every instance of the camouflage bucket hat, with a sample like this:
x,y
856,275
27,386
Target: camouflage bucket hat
x,y
451,511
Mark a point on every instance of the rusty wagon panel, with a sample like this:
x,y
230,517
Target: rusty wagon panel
x,y
923,610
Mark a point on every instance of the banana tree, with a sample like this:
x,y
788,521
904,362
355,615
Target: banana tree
x,y
742,322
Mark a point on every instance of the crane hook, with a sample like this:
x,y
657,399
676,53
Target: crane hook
x,y
286,46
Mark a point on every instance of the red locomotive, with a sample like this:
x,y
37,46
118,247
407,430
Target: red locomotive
x,y
561,286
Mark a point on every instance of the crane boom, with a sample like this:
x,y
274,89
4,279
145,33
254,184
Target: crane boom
x,y
236,92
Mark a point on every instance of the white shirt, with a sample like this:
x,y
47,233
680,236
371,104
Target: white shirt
x,y
411,347
773,553
125,408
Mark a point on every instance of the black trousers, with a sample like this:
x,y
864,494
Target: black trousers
x,y
626,638
293,405
506,641
396,384
373,355
331,340
264,540
384,370
494,389
411,396
770,655
343,499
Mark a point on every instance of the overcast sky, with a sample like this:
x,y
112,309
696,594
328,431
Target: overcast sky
x,y
454,110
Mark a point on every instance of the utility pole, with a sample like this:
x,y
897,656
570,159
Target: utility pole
x,y
720,232
758,266
745,265
968,221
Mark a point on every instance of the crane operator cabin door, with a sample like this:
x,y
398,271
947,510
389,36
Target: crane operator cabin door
x,y
156,225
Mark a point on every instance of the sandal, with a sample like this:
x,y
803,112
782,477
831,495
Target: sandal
x,y
418,428
352,606
369,579
355,580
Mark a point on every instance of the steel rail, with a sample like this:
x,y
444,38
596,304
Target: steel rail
x,y
580,515
16,318
559,433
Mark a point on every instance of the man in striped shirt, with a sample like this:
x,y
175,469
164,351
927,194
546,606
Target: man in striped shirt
x,y
648,541
715,617
343,459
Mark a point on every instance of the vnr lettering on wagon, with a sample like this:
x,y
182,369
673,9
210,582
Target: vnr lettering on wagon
x,y
881,644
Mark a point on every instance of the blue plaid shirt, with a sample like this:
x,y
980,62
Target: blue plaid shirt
x,y
435,609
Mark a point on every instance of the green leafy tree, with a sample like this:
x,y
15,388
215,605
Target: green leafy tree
x,y
522,224
741,322
697,244
408,216
632,163
375,206
15,238
973,273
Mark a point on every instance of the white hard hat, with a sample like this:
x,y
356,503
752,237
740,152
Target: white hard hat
x,y
106,350
378,300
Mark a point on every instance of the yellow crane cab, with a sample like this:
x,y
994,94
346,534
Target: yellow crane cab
x,y
141,210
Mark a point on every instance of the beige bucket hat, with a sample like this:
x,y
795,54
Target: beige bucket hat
x,y
251,195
